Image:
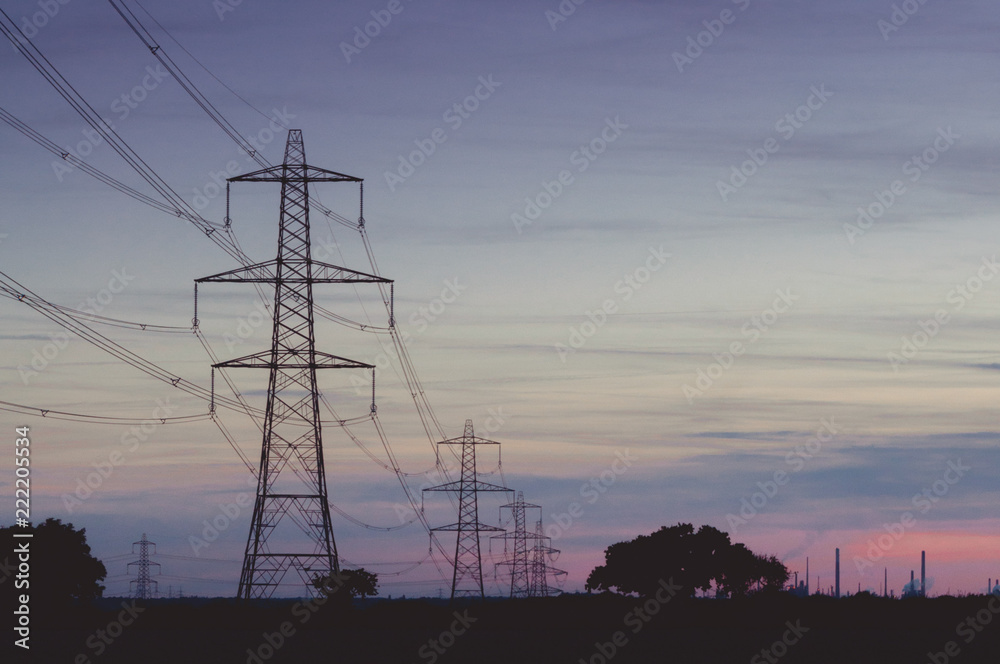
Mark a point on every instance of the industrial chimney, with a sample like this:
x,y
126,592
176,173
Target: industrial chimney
x,y
836,592
923,574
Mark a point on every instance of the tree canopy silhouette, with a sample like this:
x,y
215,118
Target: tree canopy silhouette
x,y
61,568
693,560
347,584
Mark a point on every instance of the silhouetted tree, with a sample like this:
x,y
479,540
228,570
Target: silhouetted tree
x,y
61,569
347,584
693,560
772,573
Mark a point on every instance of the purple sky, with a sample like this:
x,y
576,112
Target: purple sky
x,y
653,248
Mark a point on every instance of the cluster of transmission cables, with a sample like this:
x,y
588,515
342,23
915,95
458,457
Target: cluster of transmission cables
x,y
223,235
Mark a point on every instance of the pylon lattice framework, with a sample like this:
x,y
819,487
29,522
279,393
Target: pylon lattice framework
x,y
292,436
539,569
143,587
518,560
467,580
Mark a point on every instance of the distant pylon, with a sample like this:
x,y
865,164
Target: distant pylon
x,y
518,559
292,439
467,580
143,587
540,569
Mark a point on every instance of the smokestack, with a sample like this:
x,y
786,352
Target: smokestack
x,y
807,576
923,574
837,582
885,584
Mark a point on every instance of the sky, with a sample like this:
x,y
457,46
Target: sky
x,y
724,263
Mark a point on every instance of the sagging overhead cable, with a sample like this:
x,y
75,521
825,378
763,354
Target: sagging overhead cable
x,y
37,59
428,418
94,317
189,87
87,333
76,162
200,99
98,419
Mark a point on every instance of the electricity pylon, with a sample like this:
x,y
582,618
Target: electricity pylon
x,y
540,569
143,587
518,559
292,438
467,580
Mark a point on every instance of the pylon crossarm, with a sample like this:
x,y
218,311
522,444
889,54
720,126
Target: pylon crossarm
x,y
514,535
292,360
469,528
295,272
327,273
476,440
294,173
458,486
259,273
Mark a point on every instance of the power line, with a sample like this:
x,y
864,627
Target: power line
x,y
198,62
144,586
71,158
426,414
87,112
467,579
98,419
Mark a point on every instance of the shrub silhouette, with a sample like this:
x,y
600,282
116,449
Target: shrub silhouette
x,y
346,584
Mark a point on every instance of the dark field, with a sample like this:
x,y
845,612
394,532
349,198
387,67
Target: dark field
x,y
569,629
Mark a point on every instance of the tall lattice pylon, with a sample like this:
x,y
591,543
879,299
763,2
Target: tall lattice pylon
x,y
291,479
143,586
467,580
517,560
539,569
